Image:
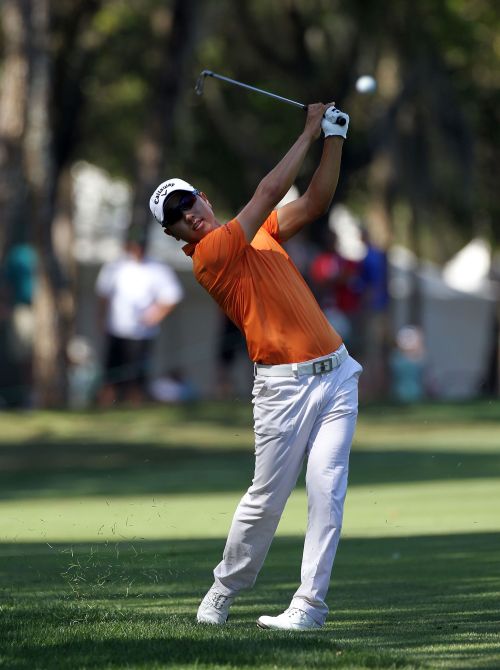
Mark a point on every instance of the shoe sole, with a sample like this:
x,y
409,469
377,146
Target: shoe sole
x,y
298,630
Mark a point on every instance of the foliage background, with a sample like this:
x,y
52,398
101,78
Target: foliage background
x,y
112,83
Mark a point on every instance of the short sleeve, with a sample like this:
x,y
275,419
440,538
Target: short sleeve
x,y
270,225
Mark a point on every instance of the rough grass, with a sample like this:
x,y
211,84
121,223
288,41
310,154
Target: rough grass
x,y
111,523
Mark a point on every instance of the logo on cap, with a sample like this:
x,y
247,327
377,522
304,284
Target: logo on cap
x,y
160,191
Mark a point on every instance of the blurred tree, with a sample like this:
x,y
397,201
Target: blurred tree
x,y
427,59
55,109
175,30
323,48
27,160
412,165
13,186
49,352
13,116
43,102
35,148
112,82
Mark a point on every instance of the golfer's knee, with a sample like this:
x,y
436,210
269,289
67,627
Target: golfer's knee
x,y
263,504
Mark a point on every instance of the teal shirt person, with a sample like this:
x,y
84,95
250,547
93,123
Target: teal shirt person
x,y
408,363
20,272
407,377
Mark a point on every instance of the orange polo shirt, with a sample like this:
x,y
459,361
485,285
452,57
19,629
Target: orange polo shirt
x,y
260,289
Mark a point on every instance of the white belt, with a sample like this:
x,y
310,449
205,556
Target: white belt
x,y
318,366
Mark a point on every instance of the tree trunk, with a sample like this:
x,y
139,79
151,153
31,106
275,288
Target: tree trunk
x,y
154,143
13,109
51,314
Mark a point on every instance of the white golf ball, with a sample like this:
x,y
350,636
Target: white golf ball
x,y
366,84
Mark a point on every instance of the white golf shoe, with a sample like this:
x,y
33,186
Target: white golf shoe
x,y
290,619
214,608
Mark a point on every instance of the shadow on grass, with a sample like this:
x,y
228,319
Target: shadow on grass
x,y
221,652
75,469
484,410
57,454
238,412
395,603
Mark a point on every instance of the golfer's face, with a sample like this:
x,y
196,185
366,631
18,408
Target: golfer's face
x,y
195,222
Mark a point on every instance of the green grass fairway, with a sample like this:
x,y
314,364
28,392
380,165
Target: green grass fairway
x,y
111,523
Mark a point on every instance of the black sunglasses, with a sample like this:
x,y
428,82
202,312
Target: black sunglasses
x,y
172,214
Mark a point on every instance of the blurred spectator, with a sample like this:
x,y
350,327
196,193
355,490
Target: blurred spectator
x,y
338,287
302,252
407,362
20,268
19,277
375,326
83,372
173,388
136,294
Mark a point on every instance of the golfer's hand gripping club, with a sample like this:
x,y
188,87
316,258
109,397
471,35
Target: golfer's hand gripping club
x,y
335,122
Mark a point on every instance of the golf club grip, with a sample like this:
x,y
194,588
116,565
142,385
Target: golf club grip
x,y
339,122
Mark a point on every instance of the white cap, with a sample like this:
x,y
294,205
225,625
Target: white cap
x,y
164,191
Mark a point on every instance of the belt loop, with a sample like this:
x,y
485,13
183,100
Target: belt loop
x,y
295,369
255,369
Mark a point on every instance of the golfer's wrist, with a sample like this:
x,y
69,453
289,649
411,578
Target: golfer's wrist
x,y
335,138
309,137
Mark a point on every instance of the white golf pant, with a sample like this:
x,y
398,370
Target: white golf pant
x,y
296,417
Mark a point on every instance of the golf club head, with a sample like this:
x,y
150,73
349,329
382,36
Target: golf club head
x,y
201,81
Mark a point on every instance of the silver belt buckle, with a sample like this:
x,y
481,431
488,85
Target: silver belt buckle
x,y
320,367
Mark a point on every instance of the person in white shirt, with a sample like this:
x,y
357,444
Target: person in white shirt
x,y
136,294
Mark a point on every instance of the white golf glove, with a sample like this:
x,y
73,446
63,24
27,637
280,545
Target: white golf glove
x,y
335,122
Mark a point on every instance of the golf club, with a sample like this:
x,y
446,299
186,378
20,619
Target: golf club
x,y
208,73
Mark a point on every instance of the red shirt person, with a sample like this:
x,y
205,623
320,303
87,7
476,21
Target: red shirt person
x,y
338,287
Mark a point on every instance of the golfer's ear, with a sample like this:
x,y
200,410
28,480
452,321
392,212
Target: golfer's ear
x,y
170,234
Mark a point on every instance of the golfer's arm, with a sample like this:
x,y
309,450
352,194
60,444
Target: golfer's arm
x,y
157,312
273,187
316,200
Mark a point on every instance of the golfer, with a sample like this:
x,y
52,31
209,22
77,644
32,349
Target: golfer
x,y
305,388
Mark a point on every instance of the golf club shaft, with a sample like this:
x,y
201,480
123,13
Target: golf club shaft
x,y
209,73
